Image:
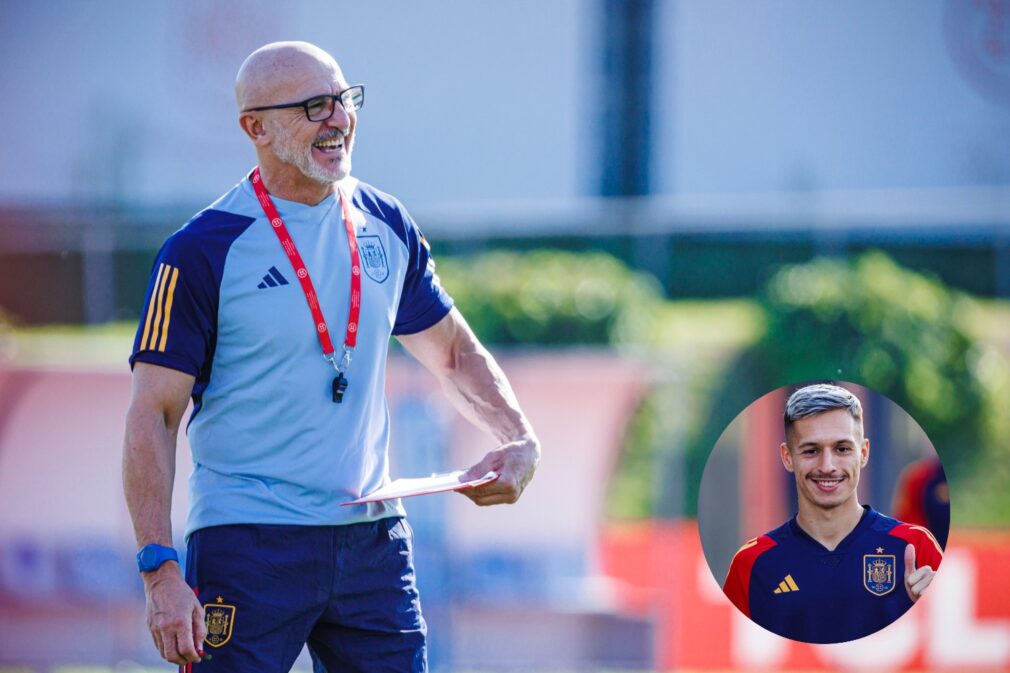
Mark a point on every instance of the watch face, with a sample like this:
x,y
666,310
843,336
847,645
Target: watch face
x,y
152,556
148,556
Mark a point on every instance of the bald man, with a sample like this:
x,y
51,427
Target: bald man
x,y
272,309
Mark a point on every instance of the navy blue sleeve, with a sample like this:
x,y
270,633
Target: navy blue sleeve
x,y
423,301
178,326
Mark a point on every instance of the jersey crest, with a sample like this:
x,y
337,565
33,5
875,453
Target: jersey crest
x,y
220,620
879,572
373,258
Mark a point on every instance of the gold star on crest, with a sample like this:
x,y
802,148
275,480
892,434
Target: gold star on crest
x,y
880,550
220,600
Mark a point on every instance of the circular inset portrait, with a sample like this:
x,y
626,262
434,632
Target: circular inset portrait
x,y
823,512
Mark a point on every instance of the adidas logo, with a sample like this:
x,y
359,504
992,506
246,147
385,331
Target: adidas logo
x,y
787,585
272,279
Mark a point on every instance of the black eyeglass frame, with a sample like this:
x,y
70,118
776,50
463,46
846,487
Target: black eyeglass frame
x,y
304,105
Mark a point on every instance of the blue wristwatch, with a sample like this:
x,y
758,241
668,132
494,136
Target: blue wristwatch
x,y
152,556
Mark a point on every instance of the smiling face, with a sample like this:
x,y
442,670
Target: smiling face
x,y
320,150
826,452
293,149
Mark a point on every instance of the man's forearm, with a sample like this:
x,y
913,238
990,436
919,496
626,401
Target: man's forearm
x,y
479,389
148,476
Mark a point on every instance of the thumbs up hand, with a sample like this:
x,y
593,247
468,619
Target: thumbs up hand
x,y
916,580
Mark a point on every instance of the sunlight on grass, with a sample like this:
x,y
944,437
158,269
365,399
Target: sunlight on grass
x,y
101,346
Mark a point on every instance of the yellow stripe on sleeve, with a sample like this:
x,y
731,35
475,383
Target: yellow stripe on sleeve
x,y
746,545
156,332
930,536
168,309
150,306
792,583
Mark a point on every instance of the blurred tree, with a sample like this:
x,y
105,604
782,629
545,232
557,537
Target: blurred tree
x,y
551,298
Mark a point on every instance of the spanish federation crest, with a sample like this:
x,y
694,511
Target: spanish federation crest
x,y
879,571
373,257
220,619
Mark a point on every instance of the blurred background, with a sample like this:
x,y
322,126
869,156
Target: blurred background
x,y
652,211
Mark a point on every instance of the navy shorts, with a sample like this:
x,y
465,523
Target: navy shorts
x,y
348,591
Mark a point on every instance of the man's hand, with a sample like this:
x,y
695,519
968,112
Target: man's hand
x,y
174,615
916,580
514,462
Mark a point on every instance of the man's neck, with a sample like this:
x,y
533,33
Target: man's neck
x,y
829,526
287,182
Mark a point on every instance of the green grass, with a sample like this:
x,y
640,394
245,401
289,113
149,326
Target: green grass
x,y
102,346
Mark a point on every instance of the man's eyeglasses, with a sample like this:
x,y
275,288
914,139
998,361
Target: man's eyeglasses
x,y
321,108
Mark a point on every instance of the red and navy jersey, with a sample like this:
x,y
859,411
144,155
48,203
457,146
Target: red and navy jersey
x,y
792,585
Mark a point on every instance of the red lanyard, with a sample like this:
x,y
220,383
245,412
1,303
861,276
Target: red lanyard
x,y
351,336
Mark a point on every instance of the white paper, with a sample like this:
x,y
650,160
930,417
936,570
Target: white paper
x,y
436,483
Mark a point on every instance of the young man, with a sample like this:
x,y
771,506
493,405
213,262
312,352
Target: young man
x,y
273,309
838,570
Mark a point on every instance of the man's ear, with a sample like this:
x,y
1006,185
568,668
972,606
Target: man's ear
x,y
864,453
786,456
254,128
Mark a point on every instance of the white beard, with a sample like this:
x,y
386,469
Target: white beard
x,y
288,151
